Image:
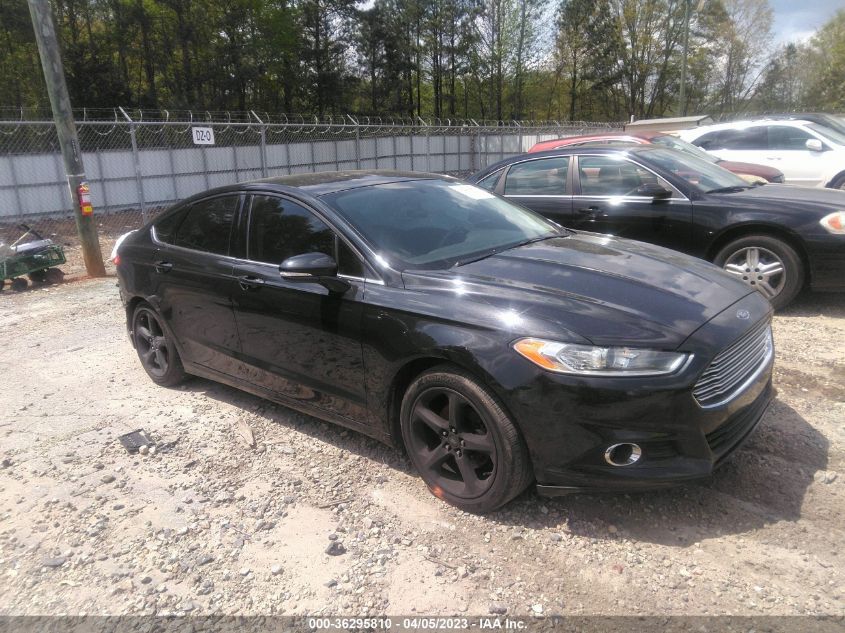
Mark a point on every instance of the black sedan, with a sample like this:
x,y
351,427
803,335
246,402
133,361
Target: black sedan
x,y
492,345
775,238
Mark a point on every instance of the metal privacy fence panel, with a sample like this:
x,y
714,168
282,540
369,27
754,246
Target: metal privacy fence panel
x,y
136,168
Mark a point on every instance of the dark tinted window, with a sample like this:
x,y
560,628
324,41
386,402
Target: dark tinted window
x,y
783,137
166,227
609,176
347,261
208,225
546,176
711,140
489,182
754,138
279,229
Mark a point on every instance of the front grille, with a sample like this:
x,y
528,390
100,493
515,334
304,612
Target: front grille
x,y
727,374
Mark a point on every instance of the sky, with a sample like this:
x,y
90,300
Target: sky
x,y
798,20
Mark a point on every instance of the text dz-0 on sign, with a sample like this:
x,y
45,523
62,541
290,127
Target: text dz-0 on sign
x,y
203,135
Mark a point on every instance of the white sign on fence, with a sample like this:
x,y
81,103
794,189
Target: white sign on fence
x,y
203,135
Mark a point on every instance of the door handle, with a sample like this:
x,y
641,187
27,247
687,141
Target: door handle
x,y
589,211
163,267
248,282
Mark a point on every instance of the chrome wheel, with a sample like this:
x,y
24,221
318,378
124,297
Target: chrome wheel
x,y
760,268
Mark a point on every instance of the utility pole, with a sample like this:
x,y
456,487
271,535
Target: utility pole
x,y
54,75
684,63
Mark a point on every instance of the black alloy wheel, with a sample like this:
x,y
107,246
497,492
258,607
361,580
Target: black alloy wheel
x,y
157,353
462,442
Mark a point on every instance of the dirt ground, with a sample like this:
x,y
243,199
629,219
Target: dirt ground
x,y
210,525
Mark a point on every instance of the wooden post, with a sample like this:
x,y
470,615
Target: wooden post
x,y
54,75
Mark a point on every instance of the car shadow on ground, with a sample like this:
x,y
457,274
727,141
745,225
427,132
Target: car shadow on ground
x,y
764,482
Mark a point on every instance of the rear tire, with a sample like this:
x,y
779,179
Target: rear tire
x,y
38,276
54,276
765,263
462,442
19,284
156,351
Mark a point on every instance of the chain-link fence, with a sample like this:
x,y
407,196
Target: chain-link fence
x,y
137,167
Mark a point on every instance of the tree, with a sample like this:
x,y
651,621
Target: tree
x,y
587,47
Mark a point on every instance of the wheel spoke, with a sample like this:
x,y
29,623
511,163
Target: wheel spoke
x,y
143,332
735,269
770,269
468,474
431,419
147,354
456,410
478,443
752,258
434,459
161,359
766,288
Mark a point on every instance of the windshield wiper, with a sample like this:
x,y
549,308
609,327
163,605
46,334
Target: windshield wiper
x,y
490,253
731,189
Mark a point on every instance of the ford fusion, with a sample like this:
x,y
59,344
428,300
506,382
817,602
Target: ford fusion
x,y
495,347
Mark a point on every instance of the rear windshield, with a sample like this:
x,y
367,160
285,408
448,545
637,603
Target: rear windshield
x,y
436,223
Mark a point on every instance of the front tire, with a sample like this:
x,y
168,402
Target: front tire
x,y
156,351
765,263
462,442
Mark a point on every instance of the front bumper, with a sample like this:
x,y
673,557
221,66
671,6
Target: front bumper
x,y
670,471
568,421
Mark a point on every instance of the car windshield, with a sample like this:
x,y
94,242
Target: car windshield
x,y
673,142
828,132
437,223
701,174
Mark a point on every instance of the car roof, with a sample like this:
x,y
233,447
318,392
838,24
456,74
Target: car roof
x,y
741,125
325,182
568,151
644,135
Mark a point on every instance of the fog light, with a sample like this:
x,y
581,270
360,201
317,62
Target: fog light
x,y
623,454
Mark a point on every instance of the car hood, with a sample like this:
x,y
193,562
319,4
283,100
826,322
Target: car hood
x,y
607,290
754,169
791,196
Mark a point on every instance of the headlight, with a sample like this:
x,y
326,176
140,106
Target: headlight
x,y
834,223
588,360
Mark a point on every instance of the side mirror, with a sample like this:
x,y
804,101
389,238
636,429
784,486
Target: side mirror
x,y
653,190
814,145
315,268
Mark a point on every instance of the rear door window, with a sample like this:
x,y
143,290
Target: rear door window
x,y
543,177
207,226
489,182
165,228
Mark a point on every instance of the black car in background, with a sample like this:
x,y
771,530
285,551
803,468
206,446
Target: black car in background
x,y
494,346
775,238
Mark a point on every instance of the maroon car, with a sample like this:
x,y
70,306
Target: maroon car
x,y
749,171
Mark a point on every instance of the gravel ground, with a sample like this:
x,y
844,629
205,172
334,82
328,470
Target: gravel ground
x,y
319,520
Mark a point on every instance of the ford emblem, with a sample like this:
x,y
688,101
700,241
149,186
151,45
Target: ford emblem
x,y
743,314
